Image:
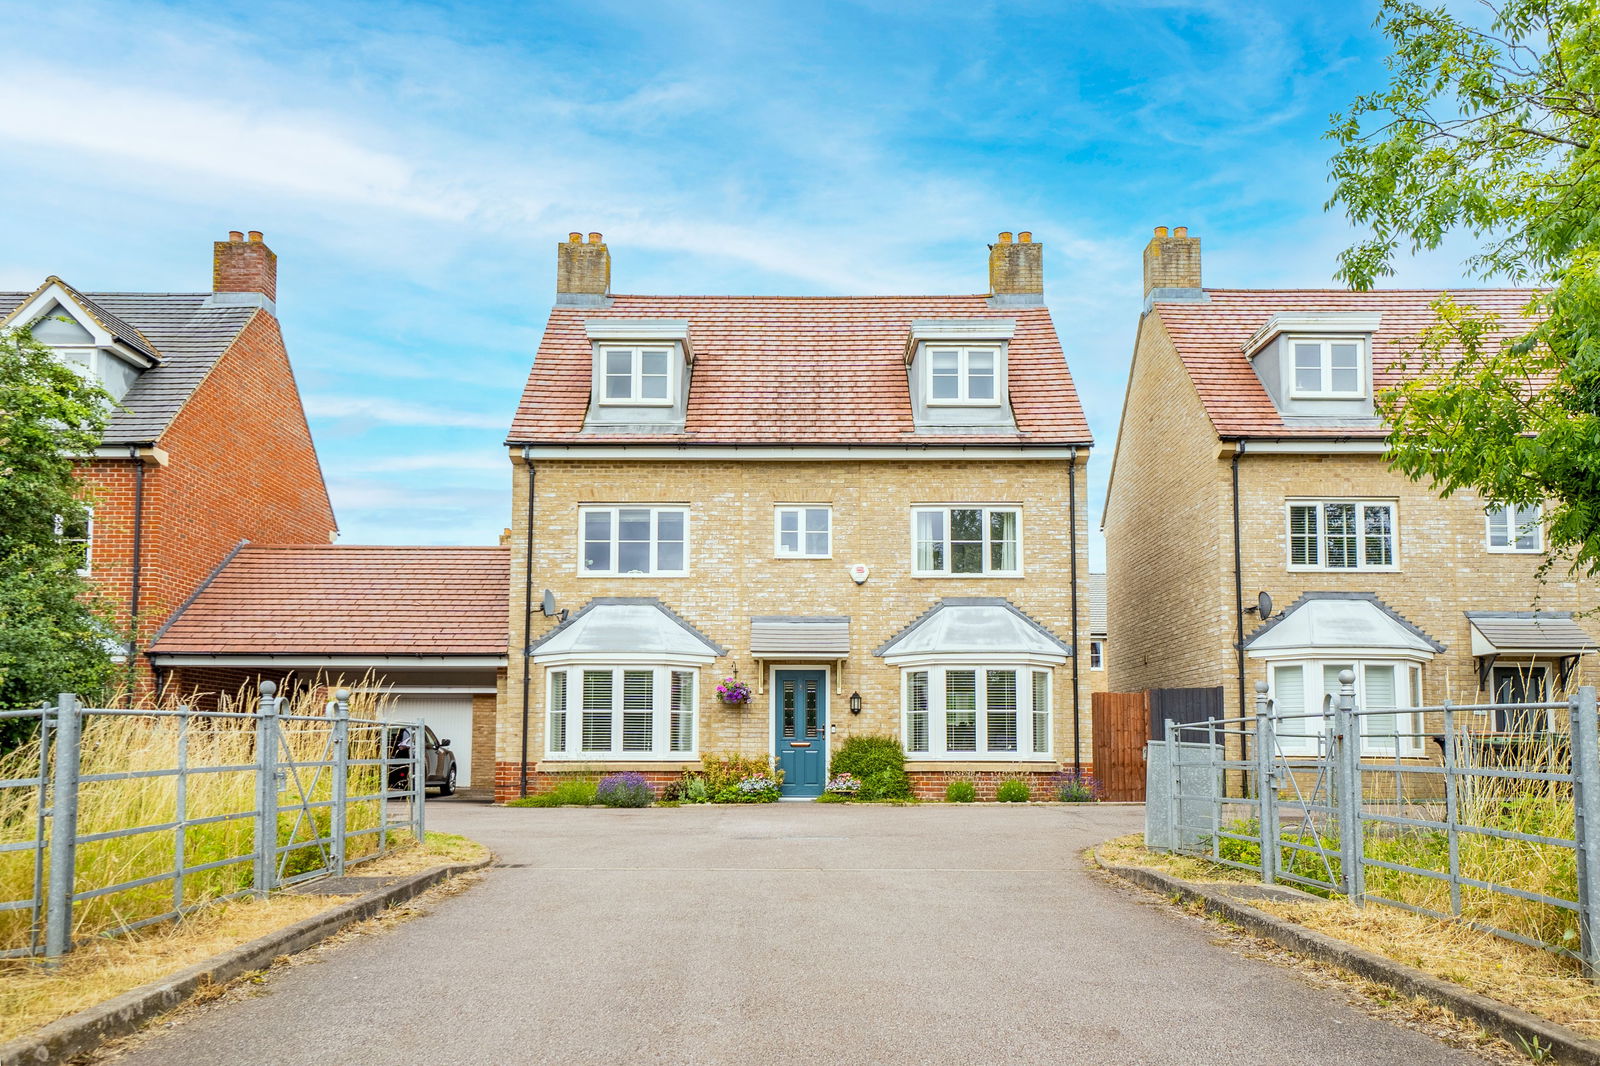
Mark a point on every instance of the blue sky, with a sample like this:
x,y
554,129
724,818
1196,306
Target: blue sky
x,y
414,164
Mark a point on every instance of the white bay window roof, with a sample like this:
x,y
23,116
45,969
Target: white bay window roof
x,y
975,628
1341,623
626,629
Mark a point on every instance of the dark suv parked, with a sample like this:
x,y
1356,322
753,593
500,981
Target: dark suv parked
x,y
441,761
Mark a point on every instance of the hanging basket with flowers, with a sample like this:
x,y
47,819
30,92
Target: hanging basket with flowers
x,y
733,692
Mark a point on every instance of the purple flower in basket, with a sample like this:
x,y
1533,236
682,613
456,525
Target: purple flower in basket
x,y
732,690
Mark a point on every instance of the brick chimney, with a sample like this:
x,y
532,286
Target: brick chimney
x,y
245,266
583,271
1172,265
1016,271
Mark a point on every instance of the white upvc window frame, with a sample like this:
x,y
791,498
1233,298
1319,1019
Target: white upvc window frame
x,y
671,721
1312,740
615,511
1097,655
988,542
1030,702
87,540
802,513
1363,367
636,351
1321,534
963,375
1504,515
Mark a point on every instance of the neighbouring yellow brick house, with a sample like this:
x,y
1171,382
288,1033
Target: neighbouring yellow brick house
x,y
869,510
1250,460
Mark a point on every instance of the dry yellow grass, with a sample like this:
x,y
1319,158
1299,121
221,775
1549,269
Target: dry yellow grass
x,y
104,968
1538,981
132,743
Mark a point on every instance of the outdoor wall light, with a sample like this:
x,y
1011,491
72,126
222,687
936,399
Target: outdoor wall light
x,y
855,703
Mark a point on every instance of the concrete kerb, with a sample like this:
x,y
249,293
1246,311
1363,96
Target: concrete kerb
x,y
1514,1024
86,1030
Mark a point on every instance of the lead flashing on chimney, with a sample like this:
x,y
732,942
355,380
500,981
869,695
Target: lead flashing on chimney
x,y
582,299
242,299
1176,296
1017,299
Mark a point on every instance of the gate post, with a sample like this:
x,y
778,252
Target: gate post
x,y
266,873
419,781
63,829
1175,782
1266,791
341,777
1347,787
1586,834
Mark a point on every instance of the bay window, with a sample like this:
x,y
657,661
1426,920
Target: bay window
x,y
1388,690
976,712
621,712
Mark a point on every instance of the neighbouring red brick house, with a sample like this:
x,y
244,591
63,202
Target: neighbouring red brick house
x,y
424,626
209,443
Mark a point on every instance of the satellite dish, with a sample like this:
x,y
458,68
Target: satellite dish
x,y
1264,606
548,604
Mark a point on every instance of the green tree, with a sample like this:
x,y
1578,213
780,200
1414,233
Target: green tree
x,y
1488,130
52,632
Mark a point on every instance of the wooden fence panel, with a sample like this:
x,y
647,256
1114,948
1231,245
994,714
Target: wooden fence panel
x,y
1121,721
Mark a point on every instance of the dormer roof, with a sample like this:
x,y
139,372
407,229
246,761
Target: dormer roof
x,y
1214,339
801,371
55,292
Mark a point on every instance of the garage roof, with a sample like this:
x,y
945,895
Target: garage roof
x,y
335,599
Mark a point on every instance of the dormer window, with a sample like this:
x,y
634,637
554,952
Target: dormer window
x,y
963,376
641,374
638,375
1328,367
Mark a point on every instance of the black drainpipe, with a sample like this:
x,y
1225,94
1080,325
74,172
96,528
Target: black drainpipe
x,y
1072,524
133,586
1238,599
527,627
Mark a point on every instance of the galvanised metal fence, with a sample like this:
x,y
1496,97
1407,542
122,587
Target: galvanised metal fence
x,y
129,817
1486,814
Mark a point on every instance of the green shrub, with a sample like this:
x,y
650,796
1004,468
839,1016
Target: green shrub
x,y
573,792
960,792
1013,790
757,788
690,788
863,756
885,784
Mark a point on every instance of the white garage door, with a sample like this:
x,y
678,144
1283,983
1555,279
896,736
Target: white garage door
x,y
450,718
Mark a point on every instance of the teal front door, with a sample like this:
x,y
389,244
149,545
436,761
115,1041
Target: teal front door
x,y
801,725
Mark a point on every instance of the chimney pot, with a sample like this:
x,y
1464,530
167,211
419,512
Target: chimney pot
x,y
583,270
1016,271
239,265
1025,237
1172,262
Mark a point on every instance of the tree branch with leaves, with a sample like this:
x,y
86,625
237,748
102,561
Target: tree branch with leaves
x,y
1490,129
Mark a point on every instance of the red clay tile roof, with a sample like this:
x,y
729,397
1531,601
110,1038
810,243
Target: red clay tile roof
x,y
801,370
1210,339
327,599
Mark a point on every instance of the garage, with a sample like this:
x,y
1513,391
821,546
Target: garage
x,y
450,718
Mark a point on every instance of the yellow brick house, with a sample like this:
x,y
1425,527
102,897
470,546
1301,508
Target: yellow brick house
x,y
1250,461
868,510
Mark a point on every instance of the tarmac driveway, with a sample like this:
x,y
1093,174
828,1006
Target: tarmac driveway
x,y
791,933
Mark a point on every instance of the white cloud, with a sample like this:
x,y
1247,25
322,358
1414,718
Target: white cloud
x,y
379,410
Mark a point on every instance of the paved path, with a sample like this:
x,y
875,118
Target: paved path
x,y
791,933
